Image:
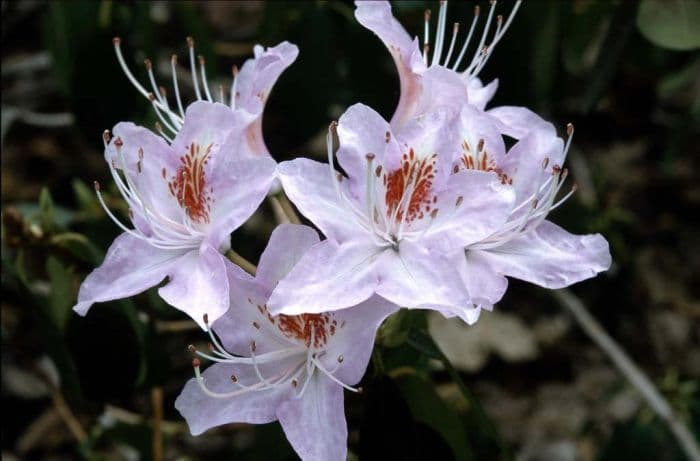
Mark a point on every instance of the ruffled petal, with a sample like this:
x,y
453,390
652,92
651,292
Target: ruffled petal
x,y
485,286
286,246
377,17
328,277
309,184
480,95
414,277
354,338
469,130
315,423
203,412
130,267
198,285
551,257
258,75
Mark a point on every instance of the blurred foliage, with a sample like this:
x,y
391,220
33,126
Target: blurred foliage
x,y
626,73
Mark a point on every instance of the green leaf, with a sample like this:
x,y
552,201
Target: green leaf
x,y
62,292
423,342
79,246
46,210
671,24
427,407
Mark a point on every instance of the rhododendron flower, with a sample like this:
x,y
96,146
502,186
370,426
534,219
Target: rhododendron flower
x,y
526,246
396,225
185,199
442,78
287,368
248,94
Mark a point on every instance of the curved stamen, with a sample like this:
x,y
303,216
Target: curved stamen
x,y
193,68
440,32
469,38
455,31
203,72
173,67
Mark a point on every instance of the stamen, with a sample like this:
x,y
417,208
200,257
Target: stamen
x,y
205,84
469,37
426,35
173,67
440,32
234,93
193,69
455,31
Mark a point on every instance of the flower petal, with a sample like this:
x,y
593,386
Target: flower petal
x,y
485,286
354,338
328,277
480,95
315,423
130,267
198,285
414,277
203,412
237,191
474,205
258,75
286,246
516,122
551,257
145,156
309,185
525,161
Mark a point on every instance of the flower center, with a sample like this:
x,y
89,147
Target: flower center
x,y
408,190
188,185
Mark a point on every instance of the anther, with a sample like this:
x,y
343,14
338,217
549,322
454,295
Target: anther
x,y
211,347
535,203
118,142
480,145
499,20
159,127
341,358
140,153
196,362
455,28
459,201
200,58
569,129
426,15
433,214
116,41
151,97
205,317
426,48
162,90
333,126
149,65
234,378
253,346
234,70
191,348
370,157
387,136
190,42
360,390
97,185
574,187
477,10
556,169
295,382
256,325
545,162
106,135
173,59
378,170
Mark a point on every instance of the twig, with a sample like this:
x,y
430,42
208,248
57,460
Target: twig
x,y
157,404
280,215
288,209
631,371
66,414
175,326
243,263
128,417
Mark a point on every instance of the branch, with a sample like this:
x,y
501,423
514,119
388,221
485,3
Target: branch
x,y
631,371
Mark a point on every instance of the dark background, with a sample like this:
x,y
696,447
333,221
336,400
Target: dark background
x,y
627,74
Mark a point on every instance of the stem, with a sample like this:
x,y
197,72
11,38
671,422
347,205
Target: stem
x,y
288,209
157,403
631,371
279,212
241,262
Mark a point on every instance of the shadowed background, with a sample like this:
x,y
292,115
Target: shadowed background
x,y
626,73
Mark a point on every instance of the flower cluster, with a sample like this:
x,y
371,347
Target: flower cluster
x,y
432,212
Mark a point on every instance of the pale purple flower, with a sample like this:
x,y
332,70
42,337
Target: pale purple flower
x,y
447,77
287,368
188,189
396,225
247,96
526,246
184,199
